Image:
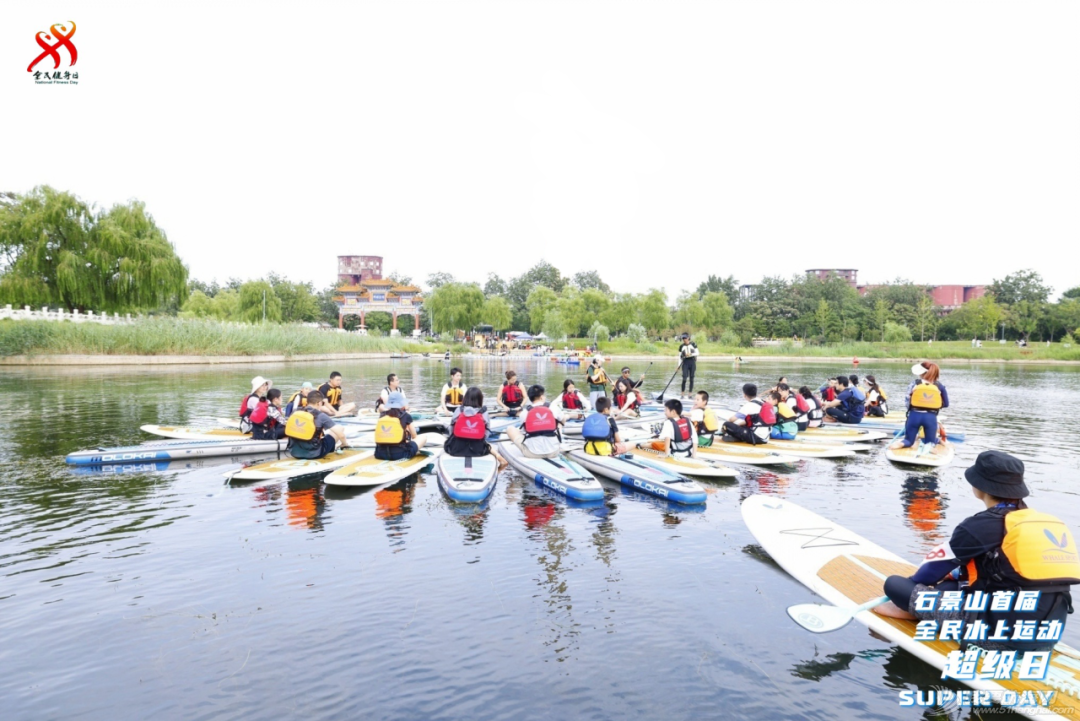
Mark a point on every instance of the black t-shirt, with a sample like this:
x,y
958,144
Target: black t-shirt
x,y
332,395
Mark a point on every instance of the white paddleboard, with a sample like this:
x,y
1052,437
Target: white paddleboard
x,y
920,455
680,465
293,467
561,475
468,480
373,472
847,570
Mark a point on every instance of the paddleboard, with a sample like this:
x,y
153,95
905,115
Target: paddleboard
x,y
292,467
195,434
920,455
374,472
573,427
744,454
561,475
171,451
643,476
681,465
468,480
846,435
797,449
847,570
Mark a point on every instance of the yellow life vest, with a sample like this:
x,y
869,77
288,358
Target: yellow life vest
x,y
926,397
298,400
1040,548
333,395
785,412
454,396
389,431
708,424
301,426
599,448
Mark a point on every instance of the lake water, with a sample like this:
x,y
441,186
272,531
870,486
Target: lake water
x,y
170,594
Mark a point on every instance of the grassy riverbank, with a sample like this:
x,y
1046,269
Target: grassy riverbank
x,y
190,337
947,350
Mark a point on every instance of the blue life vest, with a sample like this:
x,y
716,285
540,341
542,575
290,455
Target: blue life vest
x,y
596,428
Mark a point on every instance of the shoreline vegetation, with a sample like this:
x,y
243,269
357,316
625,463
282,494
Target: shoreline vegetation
x,y
191,341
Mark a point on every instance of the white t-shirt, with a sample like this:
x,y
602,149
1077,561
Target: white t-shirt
x,y
750,409
384,396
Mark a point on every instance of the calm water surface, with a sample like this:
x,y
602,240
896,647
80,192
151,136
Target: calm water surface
x,y
168,593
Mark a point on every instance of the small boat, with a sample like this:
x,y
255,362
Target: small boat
x,y
643,476
468,480
561,475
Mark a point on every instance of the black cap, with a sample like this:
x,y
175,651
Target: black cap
x,y
998,474
686,336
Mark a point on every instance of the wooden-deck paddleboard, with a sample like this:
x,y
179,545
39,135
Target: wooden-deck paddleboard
x,y
847,570
744,454
293,467
189,433
374,472
796,448
847,435
698,467
920,455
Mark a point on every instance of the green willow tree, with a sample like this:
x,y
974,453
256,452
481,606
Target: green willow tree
x,y
57,250
496,313
455,306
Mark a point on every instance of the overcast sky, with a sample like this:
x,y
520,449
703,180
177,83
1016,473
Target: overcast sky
x,y
656,142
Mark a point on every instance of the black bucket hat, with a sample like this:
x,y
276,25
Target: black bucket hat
x,y
998,474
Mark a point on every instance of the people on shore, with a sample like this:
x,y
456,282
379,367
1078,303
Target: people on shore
x,y
987,558
601,433
877,404
539,435
571,403
597,379
393,384
396,437
753,422
312,433
512,395
849,407
452,393
926,397
259,387
704,419
331,391
469,429
688,355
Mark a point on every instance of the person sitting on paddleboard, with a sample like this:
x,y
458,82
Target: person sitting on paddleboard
x,y
539,435
271,425
469,429
601,440
331,391
597,379
688,355
754,420
396,437
926,396
676,437
393,383
786,417
849,406
814,413
512,395
704,419
571,403
625,374
452,394
312,433
877,405
259,387
799,407
626,400
1007,548
828,390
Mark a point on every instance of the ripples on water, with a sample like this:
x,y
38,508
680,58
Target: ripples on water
x,y
140,592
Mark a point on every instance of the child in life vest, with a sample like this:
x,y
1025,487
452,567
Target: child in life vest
x,y
396,437
877,404
601,440
539,435
676,432
800,409
814,413
786,417
571,403
469,429
926,397
268,422
753,422
1007,549
704,419
511,396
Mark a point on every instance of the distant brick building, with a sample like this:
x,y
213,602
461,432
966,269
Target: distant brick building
x,y
951,297
848,274
362,289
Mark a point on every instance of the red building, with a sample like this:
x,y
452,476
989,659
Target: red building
x,y
950,297
848,274
355,269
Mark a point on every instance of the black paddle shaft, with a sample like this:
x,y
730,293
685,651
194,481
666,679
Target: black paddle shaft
x,y
661,396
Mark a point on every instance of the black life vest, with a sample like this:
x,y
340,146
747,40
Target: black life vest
x,y
379,399
683,433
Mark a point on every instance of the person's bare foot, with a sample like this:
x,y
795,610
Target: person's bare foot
x,y
891,610
896,446
938,449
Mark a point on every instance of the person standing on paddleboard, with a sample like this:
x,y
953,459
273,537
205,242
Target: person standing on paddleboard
x,y
688,355
1027,558
597,379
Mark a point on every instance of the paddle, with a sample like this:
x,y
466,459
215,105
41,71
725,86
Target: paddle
x,y
819,618
660,398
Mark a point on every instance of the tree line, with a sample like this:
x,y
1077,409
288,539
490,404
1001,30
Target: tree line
x,y
57,250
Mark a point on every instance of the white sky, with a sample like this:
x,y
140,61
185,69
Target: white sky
x,y
932,140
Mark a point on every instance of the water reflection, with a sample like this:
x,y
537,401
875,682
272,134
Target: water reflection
x,y
393,504
924,508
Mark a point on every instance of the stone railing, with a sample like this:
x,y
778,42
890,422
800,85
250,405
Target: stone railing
x,y
26,313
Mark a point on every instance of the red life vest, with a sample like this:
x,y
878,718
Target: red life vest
x,y
512,394
682,430
540,421
258,415
571,402
766,415
470,428
244,411
829,394
801,403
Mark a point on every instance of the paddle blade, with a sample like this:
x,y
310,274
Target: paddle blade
x,y
818,618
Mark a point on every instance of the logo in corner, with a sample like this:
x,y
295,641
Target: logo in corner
x,y
50,49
